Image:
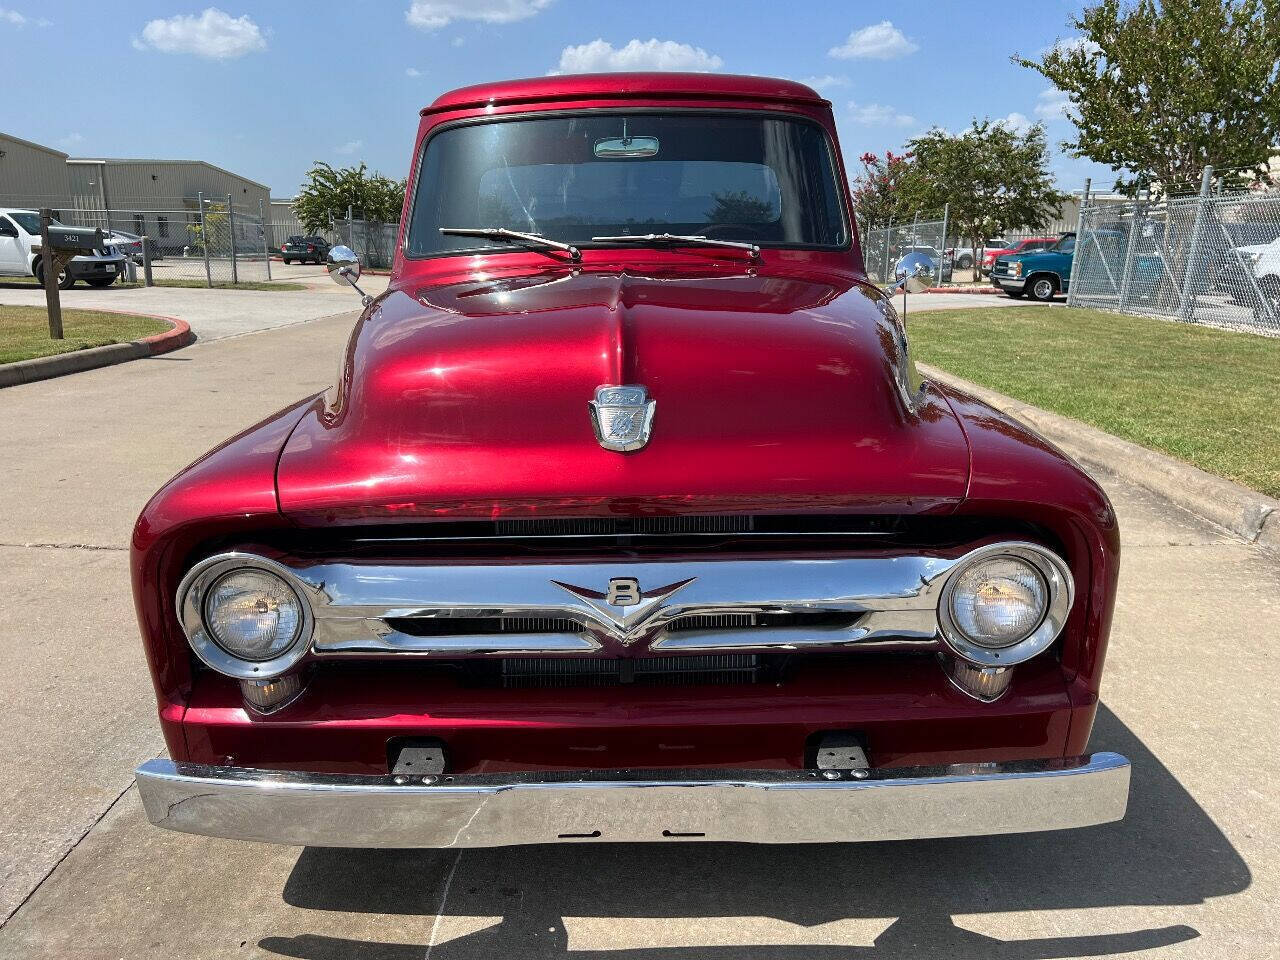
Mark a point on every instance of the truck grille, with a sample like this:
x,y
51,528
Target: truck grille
x,y
604,672
472,626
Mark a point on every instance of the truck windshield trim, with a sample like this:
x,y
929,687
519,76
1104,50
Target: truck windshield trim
x,y
572,196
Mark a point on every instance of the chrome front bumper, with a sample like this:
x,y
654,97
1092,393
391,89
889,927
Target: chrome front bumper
x,y
756,806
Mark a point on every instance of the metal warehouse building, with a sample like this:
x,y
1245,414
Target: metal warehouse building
x,y
31,174
157,197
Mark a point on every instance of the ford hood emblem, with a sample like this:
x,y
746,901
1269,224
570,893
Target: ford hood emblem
x,y
622,417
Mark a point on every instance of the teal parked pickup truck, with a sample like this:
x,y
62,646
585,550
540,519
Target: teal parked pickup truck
x,y
1042,274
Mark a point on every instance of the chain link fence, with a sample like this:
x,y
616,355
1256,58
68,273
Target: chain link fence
x,y
891,250
212,240
1210,259
373,242
948,260
208,240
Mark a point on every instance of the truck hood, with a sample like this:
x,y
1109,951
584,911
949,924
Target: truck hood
x,y
773,392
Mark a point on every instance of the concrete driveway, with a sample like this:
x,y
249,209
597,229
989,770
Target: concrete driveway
x,y
1194,871
217,313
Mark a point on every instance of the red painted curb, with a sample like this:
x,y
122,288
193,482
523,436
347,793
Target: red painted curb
x,y
179,336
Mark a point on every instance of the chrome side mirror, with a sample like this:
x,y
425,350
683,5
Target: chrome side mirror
x,y
913,283
343,265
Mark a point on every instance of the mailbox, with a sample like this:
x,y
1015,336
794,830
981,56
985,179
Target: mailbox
x,y
73,241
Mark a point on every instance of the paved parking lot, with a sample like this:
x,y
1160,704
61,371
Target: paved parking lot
x,y
214,314
1194,871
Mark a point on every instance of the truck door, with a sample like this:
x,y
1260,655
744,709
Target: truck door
x,y
13,260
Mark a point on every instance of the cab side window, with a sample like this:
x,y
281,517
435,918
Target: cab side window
x,y
7,229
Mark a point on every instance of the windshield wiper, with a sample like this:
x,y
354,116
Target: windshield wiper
x,y
674,238
531,240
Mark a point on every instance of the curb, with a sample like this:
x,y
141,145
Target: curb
x,y
987,290
1252,516
75,361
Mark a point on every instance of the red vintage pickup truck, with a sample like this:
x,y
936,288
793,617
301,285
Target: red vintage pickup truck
x,y
628,518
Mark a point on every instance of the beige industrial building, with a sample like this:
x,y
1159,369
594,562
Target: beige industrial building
x,y
31,174
157,197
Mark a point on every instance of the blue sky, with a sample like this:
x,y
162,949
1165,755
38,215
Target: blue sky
x,y
265,88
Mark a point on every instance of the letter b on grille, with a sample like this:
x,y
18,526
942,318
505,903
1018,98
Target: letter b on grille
x,y
623,592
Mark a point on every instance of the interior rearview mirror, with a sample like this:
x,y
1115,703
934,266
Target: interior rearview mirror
x,y
621,148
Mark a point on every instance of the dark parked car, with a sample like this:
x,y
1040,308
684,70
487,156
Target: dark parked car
x,y
304,249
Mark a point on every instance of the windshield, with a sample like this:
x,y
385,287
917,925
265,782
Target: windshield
x,y
29,222
756,179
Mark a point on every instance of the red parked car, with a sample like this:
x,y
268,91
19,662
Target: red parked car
x,y
1028,245
628,519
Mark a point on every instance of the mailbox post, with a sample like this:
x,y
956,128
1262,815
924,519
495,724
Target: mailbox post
x,y
58,245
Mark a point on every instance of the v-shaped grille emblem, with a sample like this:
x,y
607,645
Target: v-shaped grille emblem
x,y
625,610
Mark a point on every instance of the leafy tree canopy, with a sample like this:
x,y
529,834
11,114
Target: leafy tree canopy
x,y
1162,87
878,195
992,177
329,193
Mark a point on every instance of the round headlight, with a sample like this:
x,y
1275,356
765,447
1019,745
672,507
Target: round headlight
x,y
253,614
998,602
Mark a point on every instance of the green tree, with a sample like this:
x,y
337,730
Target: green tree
x,y
1159,89
991,177
218,222
329,193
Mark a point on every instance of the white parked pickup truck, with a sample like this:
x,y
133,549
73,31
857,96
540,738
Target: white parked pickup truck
x,y
20,232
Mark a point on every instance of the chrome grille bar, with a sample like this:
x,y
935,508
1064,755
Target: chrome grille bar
x,y
708,605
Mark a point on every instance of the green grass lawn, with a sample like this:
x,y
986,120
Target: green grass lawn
x,y
173,282
1209,397
24,331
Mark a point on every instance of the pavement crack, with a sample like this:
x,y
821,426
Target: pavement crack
x,y
66,853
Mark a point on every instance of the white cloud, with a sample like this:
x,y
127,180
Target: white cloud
x,y
877,114
412,72
600,56
15,19
70,140
458,41
1071,45
434,14
1016,122
1053,104
213,35
348,148
880,41
825,82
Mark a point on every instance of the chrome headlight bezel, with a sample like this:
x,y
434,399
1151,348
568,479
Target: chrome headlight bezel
x,y
192,594
1057,578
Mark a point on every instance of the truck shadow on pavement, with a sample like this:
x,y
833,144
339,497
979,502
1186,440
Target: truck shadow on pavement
x,y
1166,852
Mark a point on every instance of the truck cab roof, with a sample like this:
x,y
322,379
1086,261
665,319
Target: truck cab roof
x,y
621,86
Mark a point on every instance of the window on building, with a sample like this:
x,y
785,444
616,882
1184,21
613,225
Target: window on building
x,y
162,226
